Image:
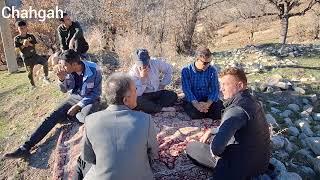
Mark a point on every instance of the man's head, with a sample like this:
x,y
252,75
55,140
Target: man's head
x,y
142,58
70,60
232,81
66,20
22,27
121,90
203,58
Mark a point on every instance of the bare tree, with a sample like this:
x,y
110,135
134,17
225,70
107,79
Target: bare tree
x,y
188,12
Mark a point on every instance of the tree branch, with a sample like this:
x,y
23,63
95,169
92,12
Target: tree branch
x,y
214,3
303,12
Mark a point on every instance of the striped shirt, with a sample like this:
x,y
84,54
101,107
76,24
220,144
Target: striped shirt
x,y
200,85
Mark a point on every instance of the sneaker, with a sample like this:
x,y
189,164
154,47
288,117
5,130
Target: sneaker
x,y
168,109
46,80
21,152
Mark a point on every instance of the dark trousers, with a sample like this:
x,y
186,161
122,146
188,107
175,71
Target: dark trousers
x,y
234,164
57,116
153,102
214,112
31,62
81,169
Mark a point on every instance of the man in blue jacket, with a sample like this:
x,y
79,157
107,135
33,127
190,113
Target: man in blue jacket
x,y
83,80
241,146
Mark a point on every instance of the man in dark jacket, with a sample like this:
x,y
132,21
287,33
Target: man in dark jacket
x,y
241,146
71,36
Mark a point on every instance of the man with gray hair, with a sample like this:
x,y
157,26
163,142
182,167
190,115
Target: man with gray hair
x,y
119,143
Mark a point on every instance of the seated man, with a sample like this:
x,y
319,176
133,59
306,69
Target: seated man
x,y
201,88
25,44
152,98
71,36
243,119
83,79
119,143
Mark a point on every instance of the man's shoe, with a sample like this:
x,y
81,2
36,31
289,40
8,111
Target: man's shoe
x,y
21,152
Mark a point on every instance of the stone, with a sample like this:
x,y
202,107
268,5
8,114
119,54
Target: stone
x,y
275,110
294,107
306,172
293,131
305,127
288,176
314,98
308,108
278,166
273,102
288,122
316,165
286,113
283,85
302,136
281,155
271,120
314,144
277,142
316,116
304,114
299,90
305,101
303,156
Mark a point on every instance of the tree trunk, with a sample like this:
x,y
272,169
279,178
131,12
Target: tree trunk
x,y
185,44
284,29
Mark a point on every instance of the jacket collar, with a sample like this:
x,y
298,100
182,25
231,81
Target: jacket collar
x,y
87,72
236,97
113,107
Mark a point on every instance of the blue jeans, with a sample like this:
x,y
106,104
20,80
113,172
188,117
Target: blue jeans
x,y
57,116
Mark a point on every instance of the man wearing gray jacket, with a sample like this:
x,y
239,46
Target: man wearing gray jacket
x,y
118,143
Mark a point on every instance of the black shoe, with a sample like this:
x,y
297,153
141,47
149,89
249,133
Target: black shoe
x,y
21,152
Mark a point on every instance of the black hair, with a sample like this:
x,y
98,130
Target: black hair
x,y
21,23
63,15
70,56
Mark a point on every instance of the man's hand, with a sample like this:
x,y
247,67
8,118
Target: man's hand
x,y
74,110
26,43
61,73
206,136
206,106
198,106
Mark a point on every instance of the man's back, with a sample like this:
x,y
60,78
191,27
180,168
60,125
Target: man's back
x,y
118,141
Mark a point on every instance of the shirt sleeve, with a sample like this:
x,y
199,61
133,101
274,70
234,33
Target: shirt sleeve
x,y
95,93
186,85
153,146
33,40
17,43
67,84
166,69
233,119
140,85
214,96
63,42
79,32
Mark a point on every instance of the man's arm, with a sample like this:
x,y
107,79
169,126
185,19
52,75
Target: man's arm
x,y
186,85
166,69
140,85
152,144
87,153
95,93
67,84
233,119
78,33
63,42
214,96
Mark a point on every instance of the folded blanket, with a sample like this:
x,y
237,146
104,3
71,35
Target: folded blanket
x,y
175,130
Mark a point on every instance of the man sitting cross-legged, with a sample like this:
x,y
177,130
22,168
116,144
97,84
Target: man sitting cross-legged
x,y
241,146
83,80
201,88
152,97
119,143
